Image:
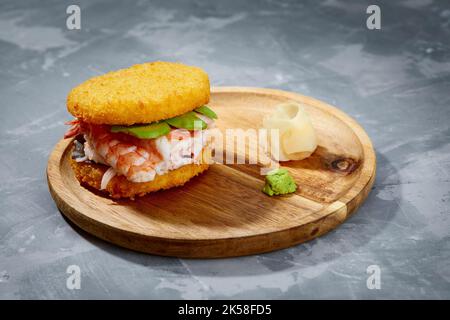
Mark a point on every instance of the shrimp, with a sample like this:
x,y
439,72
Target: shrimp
x,y
186,146
74,130
180,148
134,158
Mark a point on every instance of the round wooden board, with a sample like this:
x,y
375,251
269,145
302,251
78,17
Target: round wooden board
x,y
222,212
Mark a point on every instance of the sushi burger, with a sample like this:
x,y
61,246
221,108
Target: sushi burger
x,y
140,129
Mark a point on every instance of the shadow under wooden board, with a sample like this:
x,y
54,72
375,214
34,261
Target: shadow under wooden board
x,y
223,212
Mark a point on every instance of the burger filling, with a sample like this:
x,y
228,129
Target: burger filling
x,y
140,152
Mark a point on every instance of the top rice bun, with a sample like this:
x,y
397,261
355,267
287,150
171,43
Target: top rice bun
x,y
142,93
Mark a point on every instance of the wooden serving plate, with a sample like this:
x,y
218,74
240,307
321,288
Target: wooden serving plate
x,y
223,212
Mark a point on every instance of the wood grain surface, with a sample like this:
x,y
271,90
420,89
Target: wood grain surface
x,y
223,212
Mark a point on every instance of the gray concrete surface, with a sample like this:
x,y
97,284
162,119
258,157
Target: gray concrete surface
x,y
394,81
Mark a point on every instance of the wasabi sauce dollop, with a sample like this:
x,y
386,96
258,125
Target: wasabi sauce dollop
x,y
278,182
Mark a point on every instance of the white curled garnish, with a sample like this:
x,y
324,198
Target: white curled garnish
x,y
296,133
209,122
81,159
107,176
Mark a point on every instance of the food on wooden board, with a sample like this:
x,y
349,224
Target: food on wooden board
x,y
141,129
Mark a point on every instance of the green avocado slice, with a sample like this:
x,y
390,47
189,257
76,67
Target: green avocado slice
x,y
144,131
205,110
186,121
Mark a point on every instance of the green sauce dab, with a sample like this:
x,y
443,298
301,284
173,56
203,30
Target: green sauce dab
x,y
279,182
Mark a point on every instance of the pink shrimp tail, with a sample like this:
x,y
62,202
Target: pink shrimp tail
x,y
74,130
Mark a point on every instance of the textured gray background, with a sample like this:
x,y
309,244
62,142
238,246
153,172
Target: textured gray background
x,y
395,82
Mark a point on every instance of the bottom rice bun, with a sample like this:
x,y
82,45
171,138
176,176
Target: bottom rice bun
x,y
141,129
91,174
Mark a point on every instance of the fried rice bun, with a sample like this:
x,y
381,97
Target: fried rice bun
x,y
142,93
90,174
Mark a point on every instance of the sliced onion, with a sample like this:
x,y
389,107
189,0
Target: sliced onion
x,y
107,176
210,122
81,159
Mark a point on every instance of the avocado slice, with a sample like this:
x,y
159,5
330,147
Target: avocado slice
x,y
205,110
186,121
144,131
